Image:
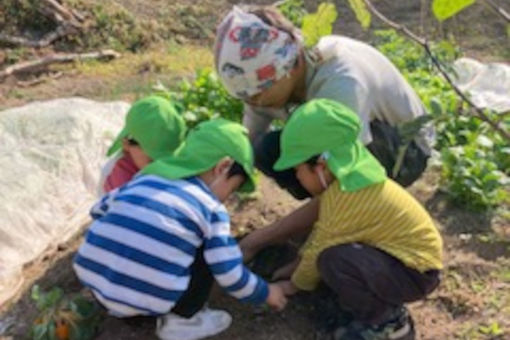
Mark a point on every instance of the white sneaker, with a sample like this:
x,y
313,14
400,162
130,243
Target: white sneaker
x,y
205,323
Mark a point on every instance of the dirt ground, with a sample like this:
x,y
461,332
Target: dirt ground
x,y
474,293
473,301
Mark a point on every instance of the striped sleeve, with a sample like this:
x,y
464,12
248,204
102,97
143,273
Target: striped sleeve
x,y
225,260
101,207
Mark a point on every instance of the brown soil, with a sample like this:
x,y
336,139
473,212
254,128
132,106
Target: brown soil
x,y
475,290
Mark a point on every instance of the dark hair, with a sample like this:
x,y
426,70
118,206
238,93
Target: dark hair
x,y
237,169
272,16
313,160
131,141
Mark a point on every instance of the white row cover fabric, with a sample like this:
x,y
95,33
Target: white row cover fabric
x,y
50,158
488,84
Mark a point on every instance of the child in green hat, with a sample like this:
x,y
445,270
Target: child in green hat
x,y
153,128
157,243
372,243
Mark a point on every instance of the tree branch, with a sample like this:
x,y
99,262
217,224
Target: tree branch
x,y
46,40
423,42
499,10
59,14
28,66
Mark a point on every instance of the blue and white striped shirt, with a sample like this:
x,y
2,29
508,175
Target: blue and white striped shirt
x,y
137,253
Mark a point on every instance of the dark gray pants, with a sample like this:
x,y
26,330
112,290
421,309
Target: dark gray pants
x,y
370,283
199,288
384,147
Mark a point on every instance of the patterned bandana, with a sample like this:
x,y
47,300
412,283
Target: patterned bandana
x,y
251,55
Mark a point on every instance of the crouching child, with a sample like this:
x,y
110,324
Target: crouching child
x,y
158,242
373,244
153,128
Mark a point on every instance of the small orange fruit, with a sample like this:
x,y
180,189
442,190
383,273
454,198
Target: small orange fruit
x,y
62,330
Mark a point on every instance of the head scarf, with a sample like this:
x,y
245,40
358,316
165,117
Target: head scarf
x,y
251,55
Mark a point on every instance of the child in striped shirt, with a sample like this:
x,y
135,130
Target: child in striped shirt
x,y
372,243
153,128
158,242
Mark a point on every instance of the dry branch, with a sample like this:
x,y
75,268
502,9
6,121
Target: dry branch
x,y
39,80
46,40
68,21
28,66
423,42
58,13
500,11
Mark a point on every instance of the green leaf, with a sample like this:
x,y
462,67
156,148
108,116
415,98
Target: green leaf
x,y
484,141
294,10
436,107
40,332
362,13
36,293
319,24
493,329
52,331
410,130
53,297
443,9
190,116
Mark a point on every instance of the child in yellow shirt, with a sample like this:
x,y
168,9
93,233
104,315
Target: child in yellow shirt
x,y
373,244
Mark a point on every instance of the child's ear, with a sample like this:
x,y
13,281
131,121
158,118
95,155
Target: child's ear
x,y
222,166
321,164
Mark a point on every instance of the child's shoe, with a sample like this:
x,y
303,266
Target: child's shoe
x,y
399,327
205,323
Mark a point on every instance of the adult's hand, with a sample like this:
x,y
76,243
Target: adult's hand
x,y
298,223
285,272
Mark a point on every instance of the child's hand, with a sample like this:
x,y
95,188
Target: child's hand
x,y
288,287
276,298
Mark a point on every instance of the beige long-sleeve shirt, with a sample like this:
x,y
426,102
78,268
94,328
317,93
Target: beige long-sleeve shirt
x,y
357,75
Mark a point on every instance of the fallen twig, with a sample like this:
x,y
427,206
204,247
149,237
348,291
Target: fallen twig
x,y
39,80
59,14
423,42
46,40
28,66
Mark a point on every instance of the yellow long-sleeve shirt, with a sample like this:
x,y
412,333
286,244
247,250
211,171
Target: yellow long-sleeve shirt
x,y
384,216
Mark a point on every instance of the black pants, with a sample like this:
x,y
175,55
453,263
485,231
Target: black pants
x,y
370,283
384,147
197,294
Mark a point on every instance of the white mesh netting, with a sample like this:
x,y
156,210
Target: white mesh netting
x,y
50,156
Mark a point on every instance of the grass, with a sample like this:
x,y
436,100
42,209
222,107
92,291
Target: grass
x,y
127,78
175,59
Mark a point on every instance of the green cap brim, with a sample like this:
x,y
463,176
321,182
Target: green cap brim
x,y
206,145
117,143
182,167
287,161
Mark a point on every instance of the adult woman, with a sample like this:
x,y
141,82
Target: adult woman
x,y
261,59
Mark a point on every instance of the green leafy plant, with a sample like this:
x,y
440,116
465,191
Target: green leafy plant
x,y
475,159
316,25
294,10
362,14
494,329
205,98
64,318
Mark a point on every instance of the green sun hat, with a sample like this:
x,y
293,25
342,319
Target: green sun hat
x,y
205,145
155,124
328,128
